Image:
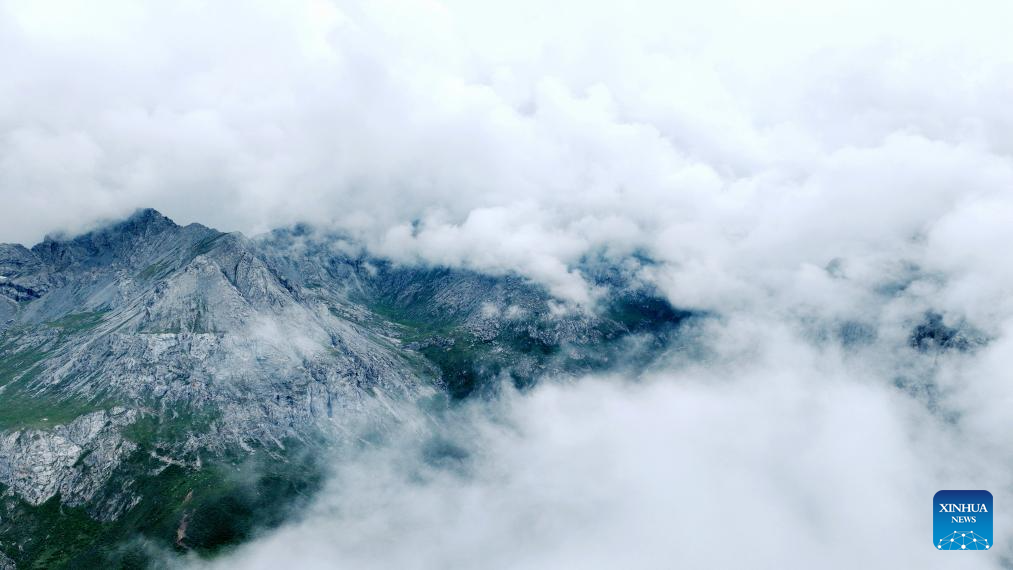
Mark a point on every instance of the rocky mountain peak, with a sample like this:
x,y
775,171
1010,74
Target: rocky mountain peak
x,y
146,220
108,243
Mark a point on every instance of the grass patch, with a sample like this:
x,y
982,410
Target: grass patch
x,y
205,245
155,270
77,322
21,407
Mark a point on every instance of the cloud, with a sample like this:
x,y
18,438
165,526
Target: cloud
x,y
676,129
796,169
784,455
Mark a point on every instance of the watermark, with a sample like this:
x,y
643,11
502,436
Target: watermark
x,y
962,520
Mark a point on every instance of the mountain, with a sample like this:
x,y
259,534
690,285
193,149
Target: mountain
x,y
172,385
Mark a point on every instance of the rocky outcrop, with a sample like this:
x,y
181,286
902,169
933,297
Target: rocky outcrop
x,y
73,460
22,274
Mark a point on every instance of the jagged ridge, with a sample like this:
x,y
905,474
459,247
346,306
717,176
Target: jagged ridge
x,y
194,349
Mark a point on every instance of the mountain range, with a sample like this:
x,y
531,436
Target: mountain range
x,y
172,389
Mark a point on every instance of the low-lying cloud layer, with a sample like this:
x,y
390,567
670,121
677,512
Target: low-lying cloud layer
x,y
773,454
796,169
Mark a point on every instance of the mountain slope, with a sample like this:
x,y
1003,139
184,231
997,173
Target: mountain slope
x,y
144,365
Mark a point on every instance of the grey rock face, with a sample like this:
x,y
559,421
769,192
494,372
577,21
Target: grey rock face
x,y
21,275
72,460
171,323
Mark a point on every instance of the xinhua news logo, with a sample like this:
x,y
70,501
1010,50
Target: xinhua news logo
x,y
962,520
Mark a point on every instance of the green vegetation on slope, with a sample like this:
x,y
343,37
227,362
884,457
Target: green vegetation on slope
x,y
23,405
182,509
632,332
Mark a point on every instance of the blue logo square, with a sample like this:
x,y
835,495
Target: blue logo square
x,y
962,520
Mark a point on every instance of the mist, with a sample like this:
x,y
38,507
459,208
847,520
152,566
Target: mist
x,y
819,180
768,454
515,139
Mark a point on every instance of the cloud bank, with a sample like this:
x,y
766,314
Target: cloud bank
x,y
778,455
519,137
800,170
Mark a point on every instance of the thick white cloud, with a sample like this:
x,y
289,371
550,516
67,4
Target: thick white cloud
x,y
790,165
681,129
782,456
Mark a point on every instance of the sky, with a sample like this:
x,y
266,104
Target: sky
x,y
793,167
